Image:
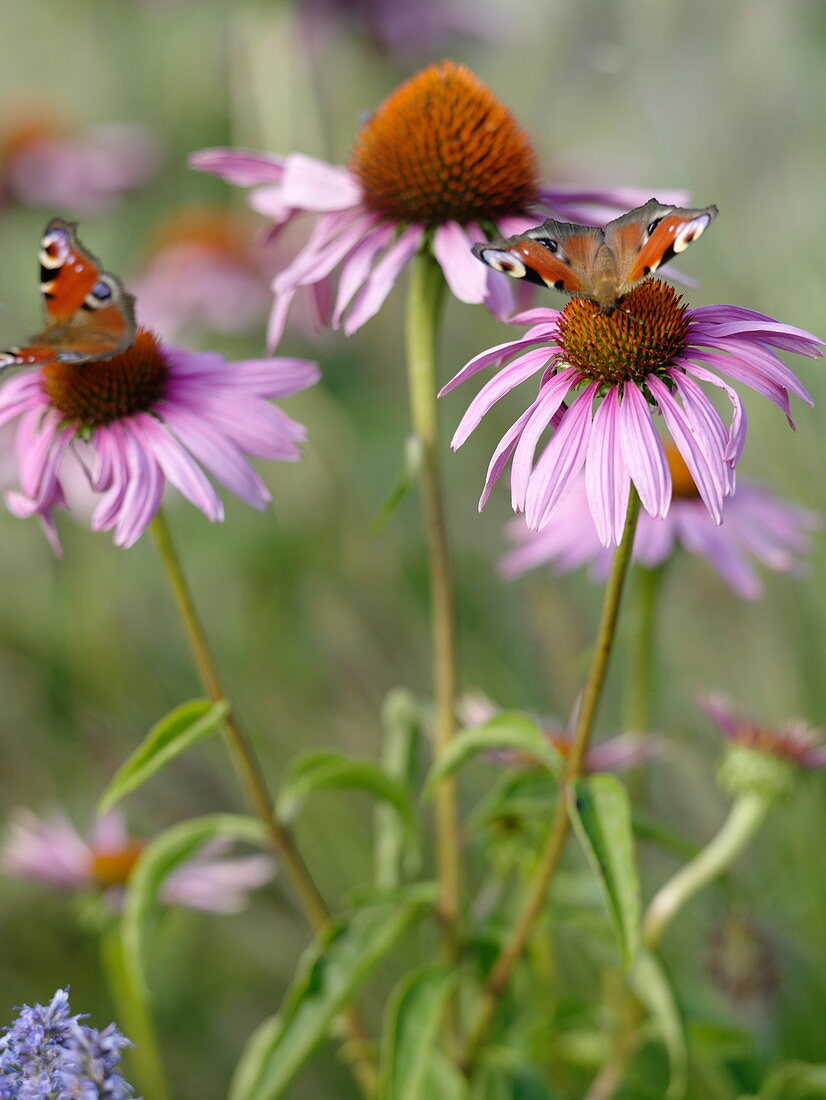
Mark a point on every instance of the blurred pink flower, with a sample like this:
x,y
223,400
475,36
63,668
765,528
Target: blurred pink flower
x,y
650,357
51,851
437,160
404,28
152,414
45,163
794,742
620,753
206,269
757,524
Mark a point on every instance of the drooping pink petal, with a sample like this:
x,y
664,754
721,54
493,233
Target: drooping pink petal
x,y
516,372
739,422
465,275
242,167
144,490
382,278
695,456
548,402
709,430
312,184
607,481
488,359
561,460
356,268
722,552
643,452
504,450
179,468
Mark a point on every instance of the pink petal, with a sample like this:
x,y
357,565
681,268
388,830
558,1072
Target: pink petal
x,y
488,359
499,460
739,422
242,167
694,455
382,278
606,475
356,268
542,412
643,452
516,372
465,275
179,468
312,184
561,460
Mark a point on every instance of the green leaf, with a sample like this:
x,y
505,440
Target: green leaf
x,y
508,730
329,975
157,861
653,987
395,857
408,476
601,814
322,770
167,739
795,1081
412,1026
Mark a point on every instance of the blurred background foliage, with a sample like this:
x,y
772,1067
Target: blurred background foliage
x,y
315,615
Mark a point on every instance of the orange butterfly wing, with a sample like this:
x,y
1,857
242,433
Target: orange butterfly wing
x,y
559,255
646,238
90,314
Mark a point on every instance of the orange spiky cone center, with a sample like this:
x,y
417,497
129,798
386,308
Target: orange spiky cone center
x,y
103,390
640,337
443,148
113,868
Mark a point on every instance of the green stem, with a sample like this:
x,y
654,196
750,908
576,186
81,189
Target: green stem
x,y
252,780
744,819
639,698
423,308
549,860
133,1017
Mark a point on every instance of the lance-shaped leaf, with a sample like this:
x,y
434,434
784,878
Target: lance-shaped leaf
x,y
329,975
412,1025
323,770
394,855
173,735
157,861
510,730
601,814
408,476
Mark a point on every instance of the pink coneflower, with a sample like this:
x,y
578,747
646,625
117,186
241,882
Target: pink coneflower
x,y
440,158
603,376
758,524
620,753
795,742
150,415
50,850
47,163
205,269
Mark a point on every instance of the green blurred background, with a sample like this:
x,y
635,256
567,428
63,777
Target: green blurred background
x,y
313,614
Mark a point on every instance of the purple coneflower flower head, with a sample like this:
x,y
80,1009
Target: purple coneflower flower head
x,y
51,851
437,160
149,416
620,753
604,378
206,269
48,1054
52,165
759,526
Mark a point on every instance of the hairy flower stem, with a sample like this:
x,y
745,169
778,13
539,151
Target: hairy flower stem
x,y
252,780
423,304
744,819
550,857
134,1016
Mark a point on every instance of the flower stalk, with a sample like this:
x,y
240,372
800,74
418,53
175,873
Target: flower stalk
x,y
745,818
423,309
134,1016
647,590
252,780
560,826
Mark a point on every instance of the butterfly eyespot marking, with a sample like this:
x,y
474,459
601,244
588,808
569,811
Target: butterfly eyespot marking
x,y
54,250
652,226
559,284
549,243
504,262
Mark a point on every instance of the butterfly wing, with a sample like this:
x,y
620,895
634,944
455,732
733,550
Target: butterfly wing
x,y
89,314
560,255
646,238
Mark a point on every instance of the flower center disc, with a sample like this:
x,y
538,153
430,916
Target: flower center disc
x,y
683,485
101,391
640,337
443,148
